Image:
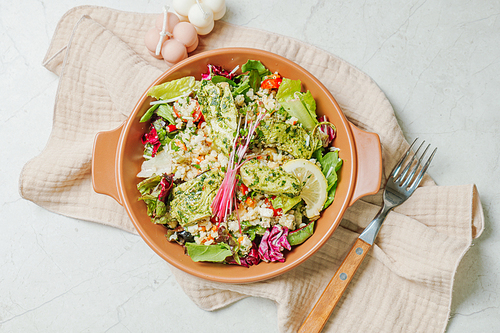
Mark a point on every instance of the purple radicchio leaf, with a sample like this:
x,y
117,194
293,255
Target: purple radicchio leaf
x,y
328,130
272,243
152,137
252,258
217,70
166,184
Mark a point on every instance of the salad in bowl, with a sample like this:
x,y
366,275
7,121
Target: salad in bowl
x,y
237,166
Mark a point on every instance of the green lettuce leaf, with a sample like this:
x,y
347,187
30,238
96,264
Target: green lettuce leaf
x,y
330,165
299,236
287,89
219,78
299,105
252,230
213,253
310,104
167,112
149,113
254,80
255,65
296,109
173,89
284,202
330,196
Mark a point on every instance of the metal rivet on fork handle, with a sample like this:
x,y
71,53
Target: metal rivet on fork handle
x,y
343,276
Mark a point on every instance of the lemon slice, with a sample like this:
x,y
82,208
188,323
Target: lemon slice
x,y
314,192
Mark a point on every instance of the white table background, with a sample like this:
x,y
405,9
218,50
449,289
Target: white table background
x,y
438,63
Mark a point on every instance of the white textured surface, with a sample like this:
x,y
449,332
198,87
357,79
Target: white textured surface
x,y
438,63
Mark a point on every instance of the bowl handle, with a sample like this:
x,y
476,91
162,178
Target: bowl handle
x,y
369,156
103,162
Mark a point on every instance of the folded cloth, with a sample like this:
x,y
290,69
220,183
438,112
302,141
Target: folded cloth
x,y
404,284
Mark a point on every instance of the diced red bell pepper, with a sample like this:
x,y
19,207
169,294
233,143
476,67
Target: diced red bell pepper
x,y
177,113
273,82
244,189
171,128
277,211
197,115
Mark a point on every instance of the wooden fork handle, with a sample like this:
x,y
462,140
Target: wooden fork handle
x,y
319,315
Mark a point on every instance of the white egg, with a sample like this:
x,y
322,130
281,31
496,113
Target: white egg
x,y
185,33
215,5
182,6
201,17
206,30
172,21
218,15
173,51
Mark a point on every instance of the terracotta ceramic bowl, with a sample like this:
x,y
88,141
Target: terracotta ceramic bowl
x,y
117,159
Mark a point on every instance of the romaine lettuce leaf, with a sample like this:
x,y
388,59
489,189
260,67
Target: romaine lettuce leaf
x,y
296,108
299,105
310,104
172,89
284,202
287,89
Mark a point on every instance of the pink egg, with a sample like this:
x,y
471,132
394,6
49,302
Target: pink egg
x,y
156,56
173,51
185,33
172,21
151,39
193,47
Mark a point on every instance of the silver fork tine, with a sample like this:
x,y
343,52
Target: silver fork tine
x,y
422,171
415,168
405,170
396,169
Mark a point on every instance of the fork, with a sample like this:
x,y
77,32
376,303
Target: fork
x,y
401,184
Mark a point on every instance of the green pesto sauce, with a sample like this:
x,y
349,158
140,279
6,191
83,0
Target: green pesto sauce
x,y
291,138
191,200
262,178
220,112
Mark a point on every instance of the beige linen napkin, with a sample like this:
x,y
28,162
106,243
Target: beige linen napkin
x,y
404,284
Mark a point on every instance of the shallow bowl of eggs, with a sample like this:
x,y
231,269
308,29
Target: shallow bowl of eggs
x,y
118,155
